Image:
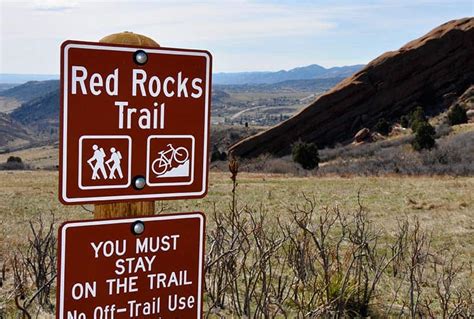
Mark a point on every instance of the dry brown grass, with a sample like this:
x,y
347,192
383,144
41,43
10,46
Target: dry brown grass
x,y
36,157
443,205
8,105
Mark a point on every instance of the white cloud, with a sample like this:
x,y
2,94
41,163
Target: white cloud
x,y
43,25
32,31
54,5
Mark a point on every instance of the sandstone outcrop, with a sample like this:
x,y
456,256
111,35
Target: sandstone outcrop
x,y
362,135
431,71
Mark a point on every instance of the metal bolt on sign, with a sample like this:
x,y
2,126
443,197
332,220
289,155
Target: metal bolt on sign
x,y
140,57
138,227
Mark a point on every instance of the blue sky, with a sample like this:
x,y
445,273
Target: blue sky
x,y
242,35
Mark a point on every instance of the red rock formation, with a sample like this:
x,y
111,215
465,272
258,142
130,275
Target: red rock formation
x,y
423,72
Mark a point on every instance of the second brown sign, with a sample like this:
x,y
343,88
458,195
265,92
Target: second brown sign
x,y
131,268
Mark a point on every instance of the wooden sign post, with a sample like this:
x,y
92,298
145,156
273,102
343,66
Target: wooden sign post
x,y
131,209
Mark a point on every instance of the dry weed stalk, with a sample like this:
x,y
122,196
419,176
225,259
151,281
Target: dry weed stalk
x,y
37,265
454,299
20,282
417,260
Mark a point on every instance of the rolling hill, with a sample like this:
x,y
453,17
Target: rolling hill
x,y
12,98
13,135
31,90
315,85
40,114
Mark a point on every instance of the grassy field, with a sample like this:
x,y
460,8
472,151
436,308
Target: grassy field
x,y
36,157
444,205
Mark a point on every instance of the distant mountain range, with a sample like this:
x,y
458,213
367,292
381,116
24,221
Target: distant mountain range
x,y
23,78
309,72
31,90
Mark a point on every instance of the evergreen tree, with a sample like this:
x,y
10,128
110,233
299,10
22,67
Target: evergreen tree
x,y
306,154
405,121
417,117
424,136
382,126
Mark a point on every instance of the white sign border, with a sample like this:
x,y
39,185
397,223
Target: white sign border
x,y
105,137
66,49
68,225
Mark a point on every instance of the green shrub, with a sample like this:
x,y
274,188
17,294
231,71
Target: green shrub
x,y
14,159
457,115
382,126
217,155
417,117
405,121
424,136
13,163
306,154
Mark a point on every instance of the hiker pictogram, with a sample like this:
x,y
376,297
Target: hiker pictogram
x,y
115,158
170,160
99,160
104,161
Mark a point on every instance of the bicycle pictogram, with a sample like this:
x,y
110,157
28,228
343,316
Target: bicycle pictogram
x,y
170,160
164,162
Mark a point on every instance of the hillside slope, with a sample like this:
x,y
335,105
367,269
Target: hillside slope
x,y
12,134
431,71
41,114
31,90
12,98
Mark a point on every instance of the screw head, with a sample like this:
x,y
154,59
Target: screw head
x,y
140,57
138,227
139,182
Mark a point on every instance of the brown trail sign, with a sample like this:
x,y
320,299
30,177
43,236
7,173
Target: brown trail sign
x,y
131,268
134,122
134,127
